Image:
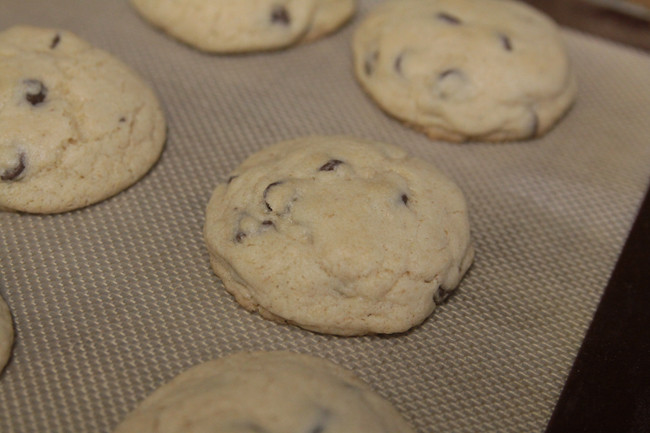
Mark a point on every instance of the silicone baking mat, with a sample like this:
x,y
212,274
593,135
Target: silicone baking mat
x,y
113,300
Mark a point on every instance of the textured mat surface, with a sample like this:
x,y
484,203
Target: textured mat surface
x,y
113,300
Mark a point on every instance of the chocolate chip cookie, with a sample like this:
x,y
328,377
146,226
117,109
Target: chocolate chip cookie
x,y
339,235
265,392
225,26
6,333
460,70
77,125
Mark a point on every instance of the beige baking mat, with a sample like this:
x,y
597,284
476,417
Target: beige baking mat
x,y
113,300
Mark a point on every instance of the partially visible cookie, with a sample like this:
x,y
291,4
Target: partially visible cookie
x,y
6,333
226,26
339,235
458,70
76,124
265,392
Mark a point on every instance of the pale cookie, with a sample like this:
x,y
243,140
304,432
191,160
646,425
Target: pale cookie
x,y
6,333
265,392
226,26
338,235
459,70
76,125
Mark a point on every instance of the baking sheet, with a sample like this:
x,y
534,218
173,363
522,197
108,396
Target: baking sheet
x,y
113,300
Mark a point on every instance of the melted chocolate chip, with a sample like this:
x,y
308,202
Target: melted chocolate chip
x,y
36,91
280,15
405,199
239,237
441,295
450,19
55,41
266,192
505,41
14,173
330,165
370,62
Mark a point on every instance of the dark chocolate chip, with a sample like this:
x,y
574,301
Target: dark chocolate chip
x,y
321,425
398,63
450,19
505,41
330,165
446,73
266,191
370,62
231,178
55,41
36,91
280,15
267,223
405,199
239,237
14,173
441,295
534,123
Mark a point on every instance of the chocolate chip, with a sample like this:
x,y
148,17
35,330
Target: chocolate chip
x,y
505,41
405,199
239,237
55,41
231,178
266,191
330,165
449,72
267,223
14,173
370,62
398,63
534,123
323,420
122,119
441,295
280,15
36,91
317,429
450,19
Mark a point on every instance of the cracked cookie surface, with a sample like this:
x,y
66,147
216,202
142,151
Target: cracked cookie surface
x,y
465,70
226,26
265,392
338,235
77,125
6,333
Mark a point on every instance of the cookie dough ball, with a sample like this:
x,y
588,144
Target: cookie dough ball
x,y
339,235
265,392
226,26
6,334
459,70
76,125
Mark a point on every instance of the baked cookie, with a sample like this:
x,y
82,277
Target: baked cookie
x,y
338,235
265,392
6,333
459,70
77,125
226,26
